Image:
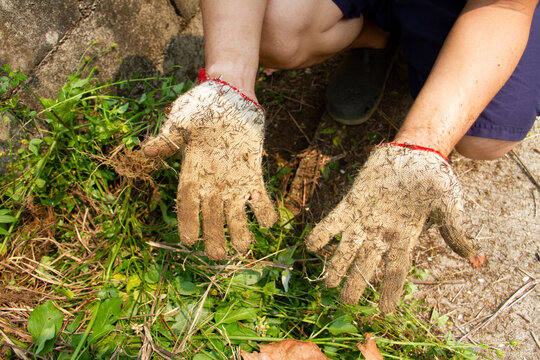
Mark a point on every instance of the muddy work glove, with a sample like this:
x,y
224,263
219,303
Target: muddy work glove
x,y
382,216
220,131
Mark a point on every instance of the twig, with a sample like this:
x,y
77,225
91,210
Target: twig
x,y
298,101
512,300
427,282
298,126
524,168
534,203
535,340
388,119
241,267
459,292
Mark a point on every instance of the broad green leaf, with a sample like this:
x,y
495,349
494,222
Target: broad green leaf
x,y
366,310
44,324
341,325
106,317
185,317
40,182
185,287
133,282
203,357
248,276
236,329
226,316
152,275
75,323
4,219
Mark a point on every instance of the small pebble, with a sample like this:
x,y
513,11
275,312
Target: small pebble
x,y
460,317
526,278
481,280
342,171
429,259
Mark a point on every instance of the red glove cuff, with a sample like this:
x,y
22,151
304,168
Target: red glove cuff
x,y
417,147
204,77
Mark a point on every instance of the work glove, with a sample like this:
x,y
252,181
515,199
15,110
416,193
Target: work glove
x,y
382,216
220,131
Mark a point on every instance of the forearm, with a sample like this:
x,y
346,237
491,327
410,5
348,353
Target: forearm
x,y
479,55
232,32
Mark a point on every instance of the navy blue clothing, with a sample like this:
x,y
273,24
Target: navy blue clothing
x,y
424,25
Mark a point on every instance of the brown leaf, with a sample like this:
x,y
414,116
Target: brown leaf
x,y
477,261
369,348
289,349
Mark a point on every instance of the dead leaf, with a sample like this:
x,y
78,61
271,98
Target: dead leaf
x,y
289,349
369,348
477,261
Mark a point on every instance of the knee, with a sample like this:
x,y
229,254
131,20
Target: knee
x,y
287,30
282,47
478,148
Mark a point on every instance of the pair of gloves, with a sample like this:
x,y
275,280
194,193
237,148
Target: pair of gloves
x,y
221,133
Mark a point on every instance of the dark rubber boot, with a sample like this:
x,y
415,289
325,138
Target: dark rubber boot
x,y
356,88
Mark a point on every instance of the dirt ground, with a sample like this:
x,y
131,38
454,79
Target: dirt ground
x,y
494,305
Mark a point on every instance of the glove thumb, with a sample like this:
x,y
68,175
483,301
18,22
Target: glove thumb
x,y
166,143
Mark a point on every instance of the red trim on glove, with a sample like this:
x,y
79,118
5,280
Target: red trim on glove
x,y
418,147
204,77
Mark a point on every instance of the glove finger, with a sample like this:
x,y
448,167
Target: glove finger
x,y
262,207
330,226
449,216
187,212
166,143
396,266
343,257
241,237
213,230
362,271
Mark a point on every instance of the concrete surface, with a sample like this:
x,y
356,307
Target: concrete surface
x,y
49,39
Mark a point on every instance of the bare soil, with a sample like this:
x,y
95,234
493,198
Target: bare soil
x,y
493,305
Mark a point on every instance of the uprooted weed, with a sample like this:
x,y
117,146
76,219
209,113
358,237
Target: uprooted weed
x,y
91,265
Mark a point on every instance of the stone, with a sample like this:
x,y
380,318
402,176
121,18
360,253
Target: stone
x,y
121,37
186,9
30,29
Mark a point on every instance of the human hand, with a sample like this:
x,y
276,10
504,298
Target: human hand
x,y
221,131
382,216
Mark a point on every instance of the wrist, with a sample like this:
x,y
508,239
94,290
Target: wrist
x,y
205,76
239,76
425,138
417,147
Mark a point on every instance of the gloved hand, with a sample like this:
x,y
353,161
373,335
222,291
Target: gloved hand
x,y
222,131
382,216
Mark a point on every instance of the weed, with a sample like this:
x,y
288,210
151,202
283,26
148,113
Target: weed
x,y
99,248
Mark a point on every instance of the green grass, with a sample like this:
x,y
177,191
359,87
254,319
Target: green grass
x,y
99,270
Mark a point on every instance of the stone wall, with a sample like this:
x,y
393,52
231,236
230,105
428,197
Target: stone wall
x,y
49,39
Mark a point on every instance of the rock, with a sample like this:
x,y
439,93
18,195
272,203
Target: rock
x,y
129,37
30,29
186,9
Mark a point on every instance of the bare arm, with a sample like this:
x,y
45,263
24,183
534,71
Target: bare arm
x,y
477,58
232,47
